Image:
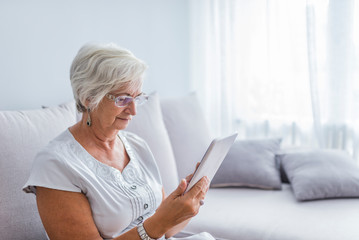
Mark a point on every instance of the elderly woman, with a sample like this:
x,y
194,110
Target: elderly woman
x,y
95,181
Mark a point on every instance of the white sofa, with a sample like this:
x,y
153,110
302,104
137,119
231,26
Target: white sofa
x,y
177,133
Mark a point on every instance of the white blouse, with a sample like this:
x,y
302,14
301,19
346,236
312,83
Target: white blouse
x,y
119,201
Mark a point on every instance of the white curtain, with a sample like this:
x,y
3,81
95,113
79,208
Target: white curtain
x,y
274,68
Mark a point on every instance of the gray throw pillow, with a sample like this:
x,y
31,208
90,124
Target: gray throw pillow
x,y
286,150
250,163
320,174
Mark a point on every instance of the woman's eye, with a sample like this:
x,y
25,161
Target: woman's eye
x,y
121,99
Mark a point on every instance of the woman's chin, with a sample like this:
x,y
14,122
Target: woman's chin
x,y
122,123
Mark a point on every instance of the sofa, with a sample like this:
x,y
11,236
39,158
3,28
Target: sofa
x,y
261,191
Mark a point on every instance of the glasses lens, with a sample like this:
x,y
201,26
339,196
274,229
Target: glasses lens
x,y
141,99
122,101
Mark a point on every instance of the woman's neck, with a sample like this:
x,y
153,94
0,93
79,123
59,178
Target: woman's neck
x,y
92,136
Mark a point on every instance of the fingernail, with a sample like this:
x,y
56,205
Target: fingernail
x,y
182,183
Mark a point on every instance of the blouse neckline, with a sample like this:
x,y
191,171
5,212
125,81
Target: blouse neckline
x,y
129,172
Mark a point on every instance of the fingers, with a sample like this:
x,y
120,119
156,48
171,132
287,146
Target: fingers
x,y
200,189
197,165
181,188
189,177
178,207
204,189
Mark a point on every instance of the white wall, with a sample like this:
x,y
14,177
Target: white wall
x,y
39,39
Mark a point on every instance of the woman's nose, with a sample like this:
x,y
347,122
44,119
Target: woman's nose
x,y
132,108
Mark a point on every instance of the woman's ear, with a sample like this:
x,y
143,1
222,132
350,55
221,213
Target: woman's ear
x,y
87,103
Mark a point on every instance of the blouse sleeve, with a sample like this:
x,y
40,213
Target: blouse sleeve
x,y
51,171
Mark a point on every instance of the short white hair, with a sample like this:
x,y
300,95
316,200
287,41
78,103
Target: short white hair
x,y
99,69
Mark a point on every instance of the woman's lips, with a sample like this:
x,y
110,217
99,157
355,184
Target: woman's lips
x,y
125,119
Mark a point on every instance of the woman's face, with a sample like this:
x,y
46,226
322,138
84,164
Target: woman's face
x,y
110,117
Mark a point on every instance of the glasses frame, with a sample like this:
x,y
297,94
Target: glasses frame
x,y
133,99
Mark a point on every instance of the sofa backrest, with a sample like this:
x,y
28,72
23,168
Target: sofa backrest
x,y
188,131
22,135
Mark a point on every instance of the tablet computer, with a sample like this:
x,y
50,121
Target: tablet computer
x,y
212,159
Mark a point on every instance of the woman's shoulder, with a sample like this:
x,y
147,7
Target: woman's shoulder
x,y
57,149
61,154
51,167
60,141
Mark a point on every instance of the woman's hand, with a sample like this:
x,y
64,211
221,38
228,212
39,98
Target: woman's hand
x,y
177,207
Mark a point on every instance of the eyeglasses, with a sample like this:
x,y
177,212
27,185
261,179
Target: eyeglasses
x,y
123,101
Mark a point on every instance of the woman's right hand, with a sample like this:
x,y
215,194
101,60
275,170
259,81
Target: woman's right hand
x,y
176,208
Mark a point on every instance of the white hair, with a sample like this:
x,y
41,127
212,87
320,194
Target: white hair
x,y
99,69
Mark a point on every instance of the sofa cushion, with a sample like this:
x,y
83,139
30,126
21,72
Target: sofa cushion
x,y
22,135
250,163
188,131
253,214
320,174
149,125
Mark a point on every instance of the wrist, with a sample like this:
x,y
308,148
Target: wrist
x,y
154,228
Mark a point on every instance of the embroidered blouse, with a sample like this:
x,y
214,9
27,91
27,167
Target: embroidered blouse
x,y
119,200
